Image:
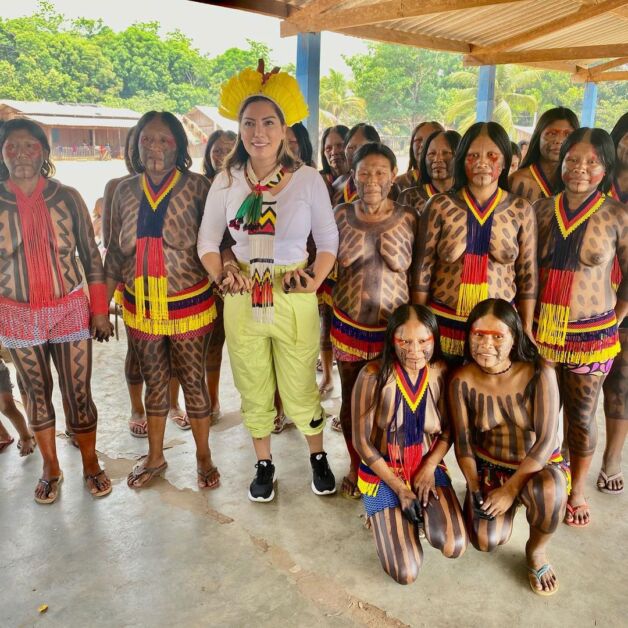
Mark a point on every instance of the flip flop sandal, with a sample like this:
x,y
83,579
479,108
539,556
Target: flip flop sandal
x,y
4,444
205,475
181,421
349,490
215,416
139,472
571,513
143,425
97,489
336,425
603,481
48,489
319,365
538,574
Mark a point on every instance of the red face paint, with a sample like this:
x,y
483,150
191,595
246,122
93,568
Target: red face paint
x,y
485,332
401,342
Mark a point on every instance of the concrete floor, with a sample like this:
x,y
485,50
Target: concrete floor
x,y
172,556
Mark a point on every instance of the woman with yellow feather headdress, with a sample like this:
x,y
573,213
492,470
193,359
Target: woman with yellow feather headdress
x,y
270,203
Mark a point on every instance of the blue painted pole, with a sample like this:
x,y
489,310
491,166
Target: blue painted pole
x,y
589,104
309,75
486,94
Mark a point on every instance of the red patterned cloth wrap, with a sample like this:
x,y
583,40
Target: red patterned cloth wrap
x,y
191,312
452,328
65,320
495,473
587,342
353,341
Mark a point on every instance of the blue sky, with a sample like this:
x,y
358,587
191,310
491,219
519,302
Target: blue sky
x,y
212,29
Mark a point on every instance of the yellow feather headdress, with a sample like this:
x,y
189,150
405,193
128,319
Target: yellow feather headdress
x,y
277,86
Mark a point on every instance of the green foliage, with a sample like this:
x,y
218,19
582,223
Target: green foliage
x,y
401,85
338,105
47,57
514,104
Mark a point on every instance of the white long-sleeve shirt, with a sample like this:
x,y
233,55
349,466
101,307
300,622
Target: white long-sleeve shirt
x,y
302,206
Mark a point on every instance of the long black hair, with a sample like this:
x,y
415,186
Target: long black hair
x,y
523,349
306,150
339,129
128,143
183,160
23,124
412,164
604,147
498,135
373,148
208,169
551,115
453,139
388,356
370,133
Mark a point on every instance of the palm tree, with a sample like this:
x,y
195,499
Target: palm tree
x,y
338,105
509,80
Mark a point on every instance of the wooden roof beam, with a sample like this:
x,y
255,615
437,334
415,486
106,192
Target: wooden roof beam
x,y
376,13
583,13
603,76
405,38
272,8
591,73
547,54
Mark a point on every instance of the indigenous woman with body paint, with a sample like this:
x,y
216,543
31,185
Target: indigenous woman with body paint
x,y
44,313
219,146
333,158
345,190
271,203
436,170
375,255
611,478
412,177
580,233
476,242
135,384
401,433
335,165
504,410
167,302
537,176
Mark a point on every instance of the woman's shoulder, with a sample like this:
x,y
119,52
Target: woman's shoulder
x,y
54,187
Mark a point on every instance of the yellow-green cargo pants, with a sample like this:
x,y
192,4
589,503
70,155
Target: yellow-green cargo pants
x,y
280,355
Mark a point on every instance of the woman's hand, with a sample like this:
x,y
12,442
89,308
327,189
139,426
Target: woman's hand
x,y
233,281
299,280
101,327
498,501
424,483
410,505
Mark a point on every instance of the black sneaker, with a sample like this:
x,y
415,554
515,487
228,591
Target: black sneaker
x,y
262,488
323,480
